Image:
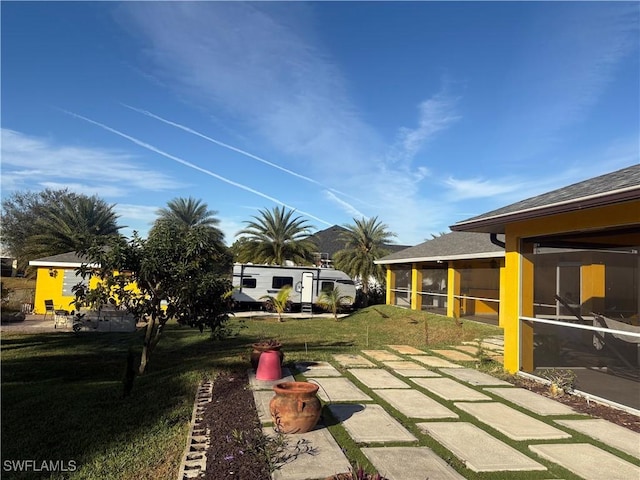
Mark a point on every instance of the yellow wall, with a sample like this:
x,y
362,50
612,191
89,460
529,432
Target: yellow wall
x,y
518,276
49,283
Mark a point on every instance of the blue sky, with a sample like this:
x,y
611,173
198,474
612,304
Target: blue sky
x,y
420,113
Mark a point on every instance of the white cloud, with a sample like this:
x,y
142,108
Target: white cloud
x,y
435,115
479,188
245,59
29,160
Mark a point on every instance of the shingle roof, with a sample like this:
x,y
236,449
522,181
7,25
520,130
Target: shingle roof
x,y
62,258
328,241
450,246
621,185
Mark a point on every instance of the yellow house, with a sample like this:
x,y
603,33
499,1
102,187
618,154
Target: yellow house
x,y
456,274
56,276
570,295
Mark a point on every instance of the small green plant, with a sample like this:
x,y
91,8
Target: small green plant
x,y
562,381
274,449
280,302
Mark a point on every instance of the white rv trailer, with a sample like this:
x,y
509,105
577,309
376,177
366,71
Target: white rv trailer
x,y
251,282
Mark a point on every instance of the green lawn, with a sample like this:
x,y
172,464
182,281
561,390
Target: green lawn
x,y
61,393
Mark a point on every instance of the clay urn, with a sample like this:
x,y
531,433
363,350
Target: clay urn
x,y
295,408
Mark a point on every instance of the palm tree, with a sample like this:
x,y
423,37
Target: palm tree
x,y
74,223
274,237
332,300
280,301
364,243
191,215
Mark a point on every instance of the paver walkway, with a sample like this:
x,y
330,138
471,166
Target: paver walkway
x,y
408,395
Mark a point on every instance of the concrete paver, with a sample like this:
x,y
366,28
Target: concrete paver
x,y
467,348
450,389
256,384
480,451
417,372
339,389
377,378
415,404
319,457
369,423
587,461
381,355
609,433
402,365
352,360
532,401
513,423
262,399
456,355
317,369
474,377
407,350
432,361
410,463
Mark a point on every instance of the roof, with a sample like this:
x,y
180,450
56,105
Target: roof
x,y
616,187
69,259
328,241
450,246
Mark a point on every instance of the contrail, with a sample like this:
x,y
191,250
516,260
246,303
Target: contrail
x,y
222,144
238,150
191,165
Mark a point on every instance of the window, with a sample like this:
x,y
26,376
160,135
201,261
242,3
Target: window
x,y
248,283
70,280
279,282
326,286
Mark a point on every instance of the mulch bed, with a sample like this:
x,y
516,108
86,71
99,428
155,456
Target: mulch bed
x,y
236,436
581,405
235,432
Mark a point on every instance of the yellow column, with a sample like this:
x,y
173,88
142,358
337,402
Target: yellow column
x,y
416,287
518,301
391,284
453,288
502,286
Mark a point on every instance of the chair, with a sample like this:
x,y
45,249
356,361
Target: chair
x,y
59,315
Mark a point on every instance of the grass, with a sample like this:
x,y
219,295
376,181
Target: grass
x,y
61,393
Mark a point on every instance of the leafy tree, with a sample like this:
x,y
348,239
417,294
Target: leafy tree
x,y
279,302
333,300
177,273
274,237
39,224
364,243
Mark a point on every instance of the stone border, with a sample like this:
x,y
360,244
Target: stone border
x,y
194,459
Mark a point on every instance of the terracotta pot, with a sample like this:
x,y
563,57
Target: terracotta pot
x,y
259,348
295,408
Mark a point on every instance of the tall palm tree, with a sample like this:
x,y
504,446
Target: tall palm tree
x,y
74,223
364,243
274,237
191,214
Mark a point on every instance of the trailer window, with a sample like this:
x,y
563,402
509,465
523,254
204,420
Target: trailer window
x,y
248,283
279,282
326,286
